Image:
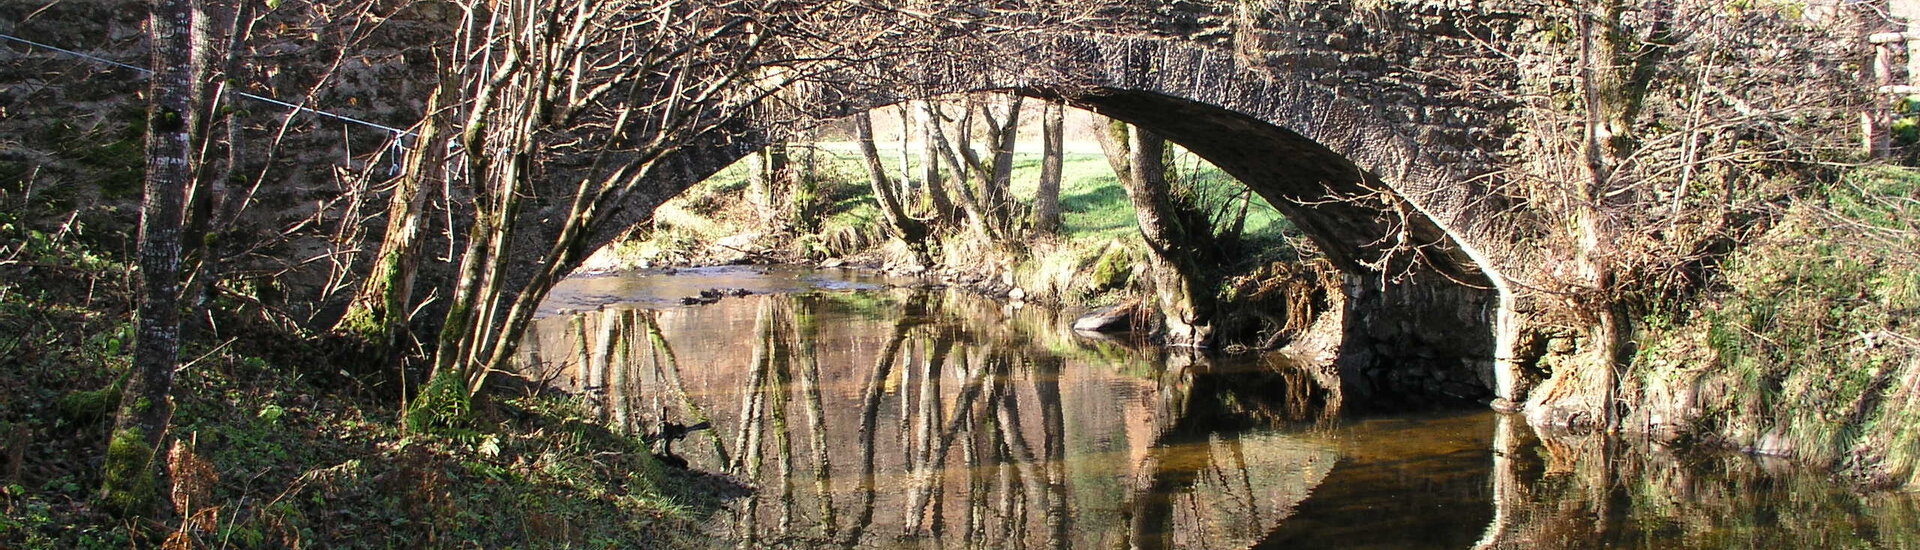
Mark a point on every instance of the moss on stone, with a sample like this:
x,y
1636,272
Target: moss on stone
x,y
1113,268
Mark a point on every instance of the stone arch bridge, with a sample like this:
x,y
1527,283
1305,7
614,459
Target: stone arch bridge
x,y
1371,131
1373,125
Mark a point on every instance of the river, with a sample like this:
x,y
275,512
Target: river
x,y
866,412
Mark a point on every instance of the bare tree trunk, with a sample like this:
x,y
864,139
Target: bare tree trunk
x,y
977,216
1002,134
943,208
770,177
909,229
207,195
906,146
379,310
131,481
1185,304
1605,119
1046,198
1113,137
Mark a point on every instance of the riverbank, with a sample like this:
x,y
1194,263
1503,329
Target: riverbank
x,y
1109,434
1276,285
279,446
1804,343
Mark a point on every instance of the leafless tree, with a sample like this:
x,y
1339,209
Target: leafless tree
x,y
1683,119
910,230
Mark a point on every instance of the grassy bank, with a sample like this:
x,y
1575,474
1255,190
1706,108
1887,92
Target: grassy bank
x,y
1092,260
1094,208
1806,344
280,448
1272,287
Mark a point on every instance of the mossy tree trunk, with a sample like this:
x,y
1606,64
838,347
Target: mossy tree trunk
x,y
1614,73
1138,158
976,212
805,185
906,147
770,175
379,309
131,481
1002,134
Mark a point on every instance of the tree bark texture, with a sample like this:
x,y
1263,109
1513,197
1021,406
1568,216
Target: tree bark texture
x,y
131,481
977,215
944,210
379,309
770,176
1002,134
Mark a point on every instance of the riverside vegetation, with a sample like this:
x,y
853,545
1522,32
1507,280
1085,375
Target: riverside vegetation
x,y
1804,343
1800,342
278,446
276,442
1268,275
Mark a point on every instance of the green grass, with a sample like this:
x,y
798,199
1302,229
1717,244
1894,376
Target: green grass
x,y
1094,207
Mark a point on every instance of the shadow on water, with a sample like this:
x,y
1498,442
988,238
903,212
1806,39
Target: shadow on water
x,y
903,418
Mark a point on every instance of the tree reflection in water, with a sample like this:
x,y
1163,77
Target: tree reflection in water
x,y
935,420
926,419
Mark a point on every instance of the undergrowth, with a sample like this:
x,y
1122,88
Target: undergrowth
x,y
1807,346
274,450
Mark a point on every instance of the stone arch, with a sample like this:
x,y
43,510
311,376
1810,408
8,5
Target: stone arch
x,y
1427,301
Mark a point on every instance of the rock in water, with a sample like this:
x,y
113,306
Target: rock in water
x,y
1106,319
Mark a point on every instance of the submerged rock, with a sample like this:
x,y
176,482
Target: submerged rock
x,y
705,297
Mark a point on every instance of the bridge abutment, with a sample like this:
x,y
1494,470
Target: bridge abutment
x,y
1418,341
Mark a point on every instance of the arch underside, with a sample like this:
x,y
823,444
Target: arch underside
x,y
1420,315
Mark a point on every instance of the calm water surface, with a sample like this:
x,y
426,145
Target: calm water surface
x,y
869,415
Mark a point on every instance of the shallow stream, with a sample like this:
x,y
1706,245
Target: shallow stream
x,y
867,413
